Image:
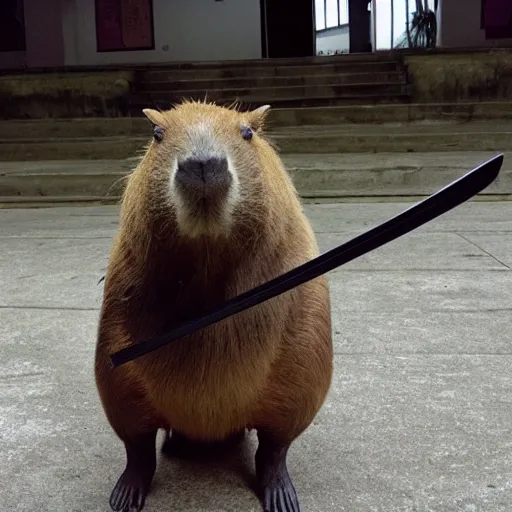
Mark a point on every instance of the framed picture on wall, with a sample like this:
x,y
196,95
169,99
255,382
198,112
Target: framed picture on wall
x,y
124,25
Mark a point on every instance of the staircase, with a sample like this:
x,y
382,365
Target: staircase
x,y
284,83
346,128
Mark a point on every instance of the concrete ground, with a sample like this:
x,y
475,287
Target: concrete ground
x,y
419,417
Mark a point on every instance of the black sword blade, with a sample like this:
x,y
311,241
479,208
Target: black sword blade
x,y
441,202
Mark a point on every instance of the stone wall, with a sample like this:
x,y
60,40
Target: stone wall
x,y
72,94
442,76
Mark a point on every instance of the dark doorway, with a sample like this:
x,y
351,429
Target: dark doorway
x,y
359,19
287,29
12,26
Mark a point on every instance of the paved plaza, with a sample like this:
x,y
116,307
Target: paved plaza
x,y
419,416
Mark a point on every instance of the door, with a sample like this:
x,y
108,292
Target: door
x,y
287,28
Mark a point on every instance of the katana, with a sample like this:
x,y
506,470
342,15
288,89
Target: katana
x,y
433,206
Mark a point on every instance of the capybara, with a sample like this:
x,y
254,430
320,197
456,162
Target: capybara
x,y
208,213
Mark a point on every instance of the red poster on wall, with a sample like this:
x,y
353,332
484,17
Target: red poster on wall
x,y
124,25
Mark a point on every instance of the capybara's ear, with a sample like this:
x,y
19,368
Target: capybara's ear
x,y
156,118
257,117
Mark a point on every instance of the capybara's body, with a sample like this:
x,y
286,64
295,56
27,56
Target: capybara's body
x,y
193,234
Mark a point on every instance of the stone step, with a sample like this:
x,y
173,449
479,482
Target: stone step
x,y
278,118
362,138
379,56
410,137
327,176
269,94
389,77
90,148
13,202
391,113
388,174
77,128
142,100
270,70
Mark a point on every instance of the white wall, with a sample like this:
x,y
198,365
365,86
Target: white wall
x,y
333,39
185,30
13,60
464,30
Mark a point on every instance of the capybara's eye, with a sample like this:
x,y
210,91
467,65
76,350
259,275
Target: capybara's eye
x,y
158,133
246,132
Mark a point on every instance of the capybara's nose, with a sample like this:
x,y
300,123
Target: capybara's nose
x,y
209,176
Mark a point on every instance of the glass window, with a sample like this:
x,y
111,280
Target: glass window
x,y
332,13
343,5
320,14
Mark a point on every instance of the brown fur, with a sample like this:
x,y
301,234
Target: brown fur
x,y
267,368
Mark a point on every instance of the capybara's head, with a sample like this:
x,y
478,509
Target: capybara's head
x,y
209,165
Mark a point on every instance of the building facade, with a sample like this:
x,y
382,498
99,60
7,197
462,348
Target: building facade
x,y
57,33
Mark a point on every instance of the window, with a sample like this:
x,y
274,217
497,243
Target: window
x,y
320,14
331,13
